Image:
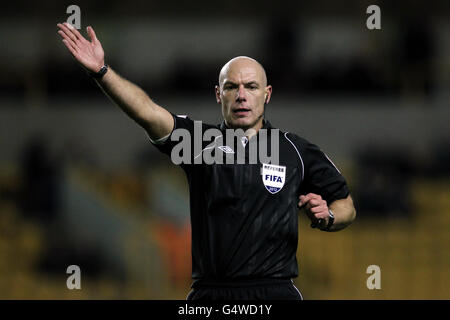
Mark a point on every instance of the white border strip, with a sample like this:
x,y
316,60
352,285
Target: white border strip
x,y
301,296
303,165
331,162
209,147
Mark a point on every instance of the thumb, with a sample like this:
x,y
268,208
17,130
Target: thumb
x,y
91,34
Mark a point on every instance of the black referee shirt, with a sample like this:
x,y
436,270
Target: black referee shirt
x,y
242,226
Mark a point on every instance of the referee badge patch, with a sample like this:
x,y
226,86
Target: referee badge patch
x,y
273,177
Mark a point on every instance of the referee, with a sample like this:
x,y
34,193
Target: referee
x,y
244,217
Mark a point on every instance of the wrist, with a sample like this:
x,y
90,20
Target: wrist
x,y
330,221
100,73
324,224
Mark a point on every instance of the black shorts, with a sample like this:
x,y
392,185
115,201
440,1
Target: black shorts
x,y
260,289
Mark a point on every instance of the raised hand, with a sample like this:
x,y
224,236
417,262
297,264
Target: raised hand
x,y
89,54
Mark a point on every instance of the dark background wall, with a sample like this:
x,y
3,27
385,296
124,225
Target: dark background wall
x,y
80,183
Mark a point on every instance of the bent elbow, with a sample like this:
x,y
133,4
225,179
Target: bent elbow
x,y
353,216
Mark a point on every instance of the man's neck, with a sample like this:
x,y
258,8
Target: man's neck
x,y
249,131
254,130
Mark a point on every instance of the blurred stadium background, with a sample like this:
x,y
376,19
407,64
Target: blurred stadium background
x,y
80,184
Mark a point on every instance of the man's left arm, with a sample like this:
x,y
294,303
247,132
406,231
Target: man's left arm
x,y
318,211
344,213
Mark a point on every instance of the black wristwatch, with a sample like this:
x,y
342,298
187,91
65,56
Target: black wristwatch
x,y
330,221
329,224
100,73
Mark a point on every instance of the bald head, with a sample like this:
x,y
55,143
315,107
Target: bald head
x,y
241,63
243,92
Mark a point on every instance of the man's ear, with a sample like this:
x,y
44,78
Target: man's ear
x,y
268,94
217,90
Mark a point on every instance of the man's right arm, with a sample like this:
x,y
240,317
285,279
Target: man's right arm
x,y
157,121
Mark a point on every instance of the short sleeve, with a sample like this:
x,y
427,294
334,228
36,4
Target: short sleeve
x,y
180,122
321,175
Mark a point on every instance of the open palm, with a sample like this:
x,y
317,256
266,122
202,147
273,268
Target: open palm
x,y
89,54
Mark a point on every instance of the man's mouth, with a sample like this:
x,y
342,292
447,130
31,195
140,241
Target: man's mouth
x,y
241,112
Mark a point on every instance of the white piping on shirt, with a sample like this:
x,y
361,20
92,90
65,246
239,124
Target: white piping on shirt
x,y
210,147
331,162
303,165
160,140
301,297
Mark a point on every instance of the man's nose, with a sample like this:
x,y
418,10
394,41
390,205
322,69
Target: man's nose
x,y
240,94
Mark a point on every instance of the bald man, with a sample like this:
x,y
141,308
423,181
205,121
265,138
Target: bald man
x,y
244,217
242,92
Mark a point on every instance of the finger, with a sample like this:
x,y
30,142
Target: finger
x,y
317,202
68,42
92,34
314,196
300,201
75,31
319,209
66,37
71,49
309,197
304,199
68,32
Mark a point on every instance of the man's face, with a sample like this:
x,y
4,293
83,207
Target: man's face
x,y
242,92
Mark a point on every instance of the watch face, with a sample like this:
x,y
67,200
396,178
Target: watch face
x,y
100,73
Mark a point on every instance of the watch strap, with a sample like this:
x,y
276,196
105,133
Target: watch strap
x,y
100,73
330,221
